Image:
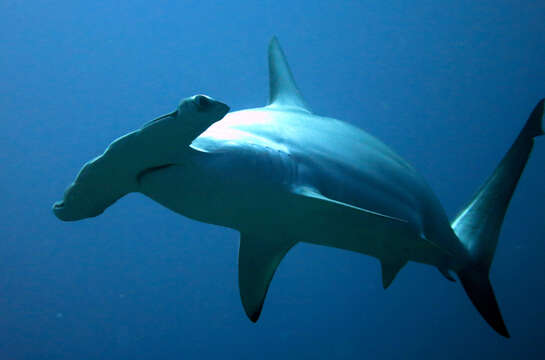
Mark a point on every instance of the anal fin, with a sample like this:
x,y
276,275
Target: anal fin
x,y
445,273
258,258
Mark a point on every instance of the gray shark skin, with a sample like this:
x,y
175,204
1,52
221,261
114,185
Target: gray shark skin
x,y
280,175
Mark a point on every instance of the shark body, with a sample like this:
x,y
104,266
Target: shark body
x,y
282,175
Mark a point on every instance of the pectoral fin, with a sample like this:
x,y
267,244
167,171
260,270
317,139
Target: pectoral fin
x,y
258,258
321,203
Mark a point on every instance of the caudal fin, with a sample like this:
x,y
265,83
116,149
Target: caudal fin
x,y
478,224
479,290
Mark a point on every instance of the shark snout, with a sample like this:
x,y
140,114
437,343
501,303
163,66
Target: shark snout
x,y
77,203
76,211
60,212
64,213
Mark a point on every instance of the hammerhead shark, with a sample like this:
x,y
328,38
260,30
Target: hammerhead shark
x,y
280,175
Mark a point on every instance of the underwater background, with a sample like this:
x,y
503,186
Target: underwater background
x,y
446,84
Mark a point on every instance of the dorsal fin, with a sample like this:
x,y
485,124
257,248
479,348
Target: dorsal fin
x,y
283,89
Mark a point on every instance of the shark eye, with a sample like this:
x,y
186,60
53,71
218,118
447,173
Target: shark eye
x,y
201,101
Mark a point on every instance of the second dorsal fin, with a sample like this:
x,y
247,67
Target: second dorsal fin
x,y
283,89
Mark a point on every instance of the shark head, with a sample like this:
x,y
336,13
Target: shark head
x,y
191,117
198,112
202,106
157,144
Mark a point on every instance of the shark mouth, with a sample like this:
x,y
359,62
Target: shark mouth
x,y
150,170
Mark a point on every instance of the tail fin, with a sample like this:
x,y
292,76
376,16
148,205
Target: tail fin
x,y
478,224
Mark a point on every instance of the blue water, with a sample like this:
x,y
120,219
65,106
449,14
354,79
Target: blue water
x,y
448,85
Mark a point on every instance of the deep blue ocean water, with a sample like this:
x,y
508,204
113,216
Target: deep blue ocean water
x,y
447,84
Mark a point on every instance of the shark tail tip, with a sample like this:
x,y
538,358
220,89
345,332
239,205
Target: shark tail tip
x,y
479,290
534,125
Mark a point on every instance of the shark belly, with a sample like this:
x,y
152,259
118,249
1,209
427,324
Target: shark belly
x,y
241,188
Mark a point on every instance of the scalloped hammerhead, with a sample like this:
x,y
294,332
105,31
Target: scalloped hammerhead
x,y
280,175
